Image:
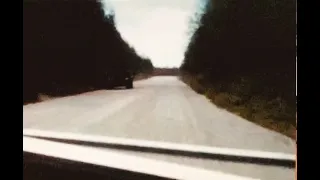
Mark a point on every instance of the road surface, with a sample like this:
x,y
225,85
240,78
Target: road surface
x,y
162,109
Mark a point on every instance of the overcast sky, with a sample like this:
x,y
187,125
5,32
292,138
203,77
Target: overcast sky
x,y
157,29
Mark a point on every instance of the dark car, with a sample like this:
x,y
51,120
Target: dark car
x,y
113,80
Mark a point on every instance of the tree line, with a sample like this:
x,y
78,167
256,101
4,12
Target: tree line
x,y
242,56
166,71
68,46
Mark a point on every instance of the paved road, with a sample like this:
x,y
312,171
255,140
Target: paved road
x,y
162,109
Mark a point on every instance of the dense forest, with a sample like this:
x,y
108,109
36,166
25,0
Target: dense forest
x,y
68,46
242,56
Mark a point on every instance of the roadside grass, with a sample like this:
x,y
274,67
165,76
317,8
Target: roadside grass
x,y
69,91
274,114
58,93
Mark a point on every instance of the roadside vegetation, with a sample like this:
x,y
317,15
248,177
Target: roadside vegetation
x,y
166,71
242,56
145,71
68,46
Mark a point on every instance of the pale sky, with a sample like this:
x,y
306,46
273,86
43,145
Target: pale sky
x,y
157,29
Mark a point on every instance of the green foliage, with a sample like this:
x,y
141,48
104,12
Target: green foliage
x,y
71,45
244,50
146,66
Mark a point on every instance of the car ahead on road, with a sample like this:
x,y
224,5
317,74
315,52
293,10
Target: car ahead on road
x,y
115,80
51,155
